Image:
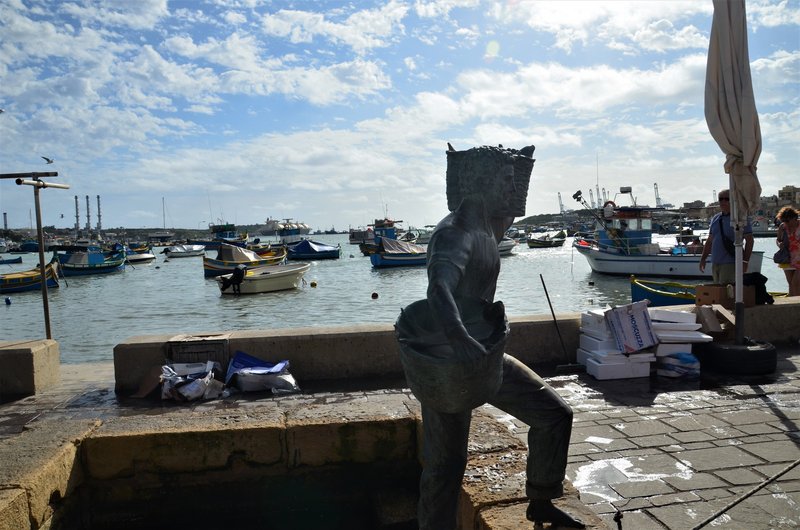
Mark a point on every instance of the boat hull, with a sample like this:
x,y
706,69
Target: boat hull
x,y
657,265
266,279
30,280
215,267
662,293
385,260
545,243
184,251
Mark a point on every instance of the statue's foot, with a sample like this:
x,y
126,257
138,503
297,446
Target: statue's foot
x,y
542,511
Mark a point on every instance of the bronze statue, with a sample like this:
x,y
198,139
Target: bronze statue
x,y
452,342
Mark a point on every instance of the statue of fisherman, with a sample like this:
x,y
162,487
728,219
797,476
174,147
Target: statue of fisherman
x,y
452,343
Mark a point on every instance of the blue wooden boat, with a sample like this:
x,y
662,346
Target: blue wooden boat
x,y
10,261
83,261
29,280
394,253
308,249
662,293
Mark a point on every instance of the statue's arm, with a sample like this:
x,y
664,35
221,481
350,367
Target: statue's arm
x,y
446,266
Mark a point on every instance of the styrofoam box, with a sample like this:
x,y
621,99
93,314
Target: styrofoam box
x,y
665,315
617,371
683,336
592,344
675,326
582,356
665,348
597,332
593,317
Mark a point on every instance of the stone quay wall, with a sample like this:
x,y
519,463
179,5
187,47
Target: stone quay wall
x,y
371,351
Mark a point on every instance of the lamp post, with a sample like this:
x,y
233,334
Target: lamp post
x,y
32,179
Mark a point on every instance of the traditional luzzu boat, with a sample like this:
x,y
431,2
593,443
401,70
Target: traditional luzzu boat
x,y
662,293
29,280
82,261
231,256
622,245
263,279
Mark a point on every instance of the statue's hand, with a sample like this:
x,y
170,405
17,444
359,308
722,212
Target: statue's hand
x,y
468,350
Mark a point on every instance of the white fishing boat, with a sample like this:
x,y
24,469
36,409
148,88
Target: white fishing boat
x,y
622,245
264,279
184,251
506,246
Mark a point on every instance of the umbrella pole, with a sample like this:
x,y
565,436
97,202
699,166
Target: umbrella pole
x,y
739,272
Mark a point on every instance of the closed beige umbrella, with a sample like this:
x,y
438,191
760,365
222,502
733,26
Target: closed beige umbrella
x,y
732,119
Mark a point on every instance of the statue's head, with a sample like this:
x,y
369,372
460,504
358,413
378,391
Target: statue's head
x,y
499,176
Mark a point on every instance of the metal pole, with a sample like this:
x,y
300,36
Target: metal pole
x,y
40,238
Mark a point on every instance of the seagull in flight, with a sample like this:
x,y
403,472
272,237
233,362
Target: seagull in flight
x,y
48,160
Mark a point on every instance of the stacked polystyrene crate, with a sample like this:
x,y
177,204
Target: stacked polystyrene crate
x,y
676,332
600,352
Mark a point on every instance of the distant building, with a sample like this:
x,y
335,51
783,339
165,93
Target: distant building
x,y
789,195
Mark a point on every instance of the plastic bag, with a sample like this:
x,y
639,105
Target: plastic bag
x,y
251,374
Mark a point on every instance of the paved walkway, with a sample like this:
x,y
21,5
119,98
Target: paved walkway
x,y
664,453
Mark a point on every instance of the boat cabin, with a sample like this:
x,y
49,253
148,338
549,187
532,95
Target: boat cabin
x,y
628,229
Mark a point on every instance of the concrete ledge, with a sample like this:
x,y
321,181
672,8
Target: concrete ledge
x,y
371,351
44,463
28,367
134,460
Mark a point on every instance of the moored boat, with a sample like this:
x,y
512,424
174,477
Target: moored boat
x,y
184,251
622,245
263,279
308,249
231,256
394,253
11,261
547,240
29,280
662,293
357,236
221,233
138,254
83,261
506,246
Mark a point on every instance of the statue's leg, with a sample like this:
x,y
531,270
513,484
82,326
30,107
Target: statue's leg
x,y
444,461
527,397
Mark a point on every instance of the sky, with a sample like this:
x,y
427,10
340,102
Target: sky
x,y
179,114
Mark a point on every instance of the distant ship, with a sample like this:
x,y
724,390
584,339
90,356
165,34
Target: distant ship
x,y
287,230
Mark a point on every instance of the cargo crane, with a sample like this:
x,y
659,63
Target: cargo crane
x,y
560,204
658,197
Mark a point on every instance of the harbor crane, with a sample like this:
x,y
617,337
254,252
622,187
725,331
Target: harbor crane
x,y
591,198
560,204
658,197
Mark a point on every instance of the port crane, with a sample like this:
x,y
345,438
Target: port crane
x,y
658,197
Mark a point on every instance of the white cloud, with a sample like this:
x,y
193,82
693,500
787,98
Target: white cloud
x,y
361,31
141,14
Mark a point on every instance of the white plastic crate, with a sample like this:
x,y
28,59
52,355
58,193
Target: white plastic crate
x,y
617,370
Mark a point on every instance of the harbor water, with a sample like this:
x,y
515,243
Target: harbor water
x,y
91,314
